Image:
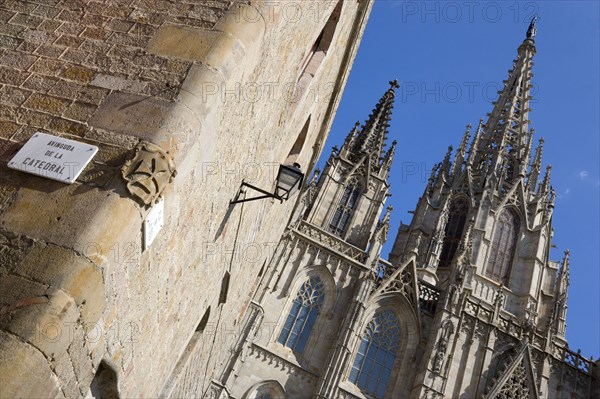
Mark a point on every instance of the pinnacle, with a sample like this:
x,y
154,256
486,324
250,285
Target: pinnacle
x,y
370,139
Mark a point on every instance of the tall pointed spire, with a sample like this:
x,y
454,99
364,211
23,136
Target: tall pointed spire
x,y
369,141
504,143
350,139
544,187
475,143
459,158
389,157
445,167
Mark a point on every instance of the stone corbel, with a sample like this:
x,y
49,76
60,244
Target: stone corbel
x,y
148,172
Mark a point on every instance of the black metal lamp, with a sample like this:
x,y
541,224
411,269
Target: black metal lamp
x,y
289,180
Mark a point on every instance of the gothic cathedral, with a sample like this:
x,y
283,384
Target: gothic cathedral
x,y
468,304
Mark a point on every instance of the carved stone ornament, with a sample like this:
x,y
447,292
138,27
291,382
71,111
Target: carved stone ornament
x,y
148,172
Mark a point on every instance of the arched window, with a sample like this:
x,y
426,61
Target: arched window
x,y
459,208
345,209
266,390
376,354
503,246
303,314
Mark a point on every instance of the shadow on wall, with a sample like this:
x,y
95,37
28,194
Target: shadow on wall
x,y
105,384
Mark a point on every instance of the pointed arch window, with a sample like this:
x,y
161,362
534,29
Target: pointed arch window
x,y
345,209
504,243
376,354
303,314
459,208
266,390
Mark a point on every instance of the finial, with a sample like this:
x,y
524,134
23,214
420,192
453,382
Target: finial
x,y
394,84
545,186
532,30
388,212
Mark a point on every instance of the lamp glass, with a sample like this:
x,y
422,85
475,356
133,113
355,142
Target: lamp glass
x,y
289,180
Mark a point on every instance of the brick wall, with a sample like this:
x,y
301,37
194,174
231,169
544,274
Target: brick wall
x,y
77,287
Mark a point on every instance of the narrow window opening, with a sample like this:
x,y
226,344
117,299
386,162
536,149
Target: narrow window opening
x,y
105,384
504,243
298,144
345,209
224,288
315,56
459,208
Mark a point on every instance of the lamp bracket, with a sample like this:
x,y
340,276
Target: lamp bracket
x,y
266,194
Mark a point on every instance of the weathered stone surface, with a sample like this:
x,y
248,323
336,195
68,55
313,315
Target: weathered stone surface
x,y
183,42
118,83
69,223
62,268
43,320
22,362
202,113
132,115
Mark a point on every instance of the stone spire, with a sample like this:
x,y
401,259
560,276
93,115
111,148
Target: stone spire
x,y
369,141
389,157
445,166
475,143
536,166
350,139
544,187
459,158
504,142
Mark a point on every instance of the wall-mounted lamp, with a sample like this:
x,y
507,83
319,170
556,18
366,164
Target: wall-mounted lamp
x,y
289,180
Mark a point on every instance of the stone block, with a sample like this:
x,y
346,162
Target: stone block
x,y
91,224
8,128
20,359
79,111
12,76
47,66
39,83
64,126
78,73
118,83
45,322
45,103
13,96
183,42
48,50
62,268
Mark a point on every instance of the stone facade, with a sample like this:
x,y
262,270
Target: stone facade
x,y
188,99
185,100
468,305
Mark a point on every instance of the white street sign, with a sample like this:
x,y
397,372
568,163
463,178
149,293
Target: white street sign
x,y
154,222
53,157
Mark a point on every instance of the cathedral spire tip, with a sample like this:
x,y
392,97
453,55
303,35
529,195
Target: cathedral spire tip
x,y
532,30
394,84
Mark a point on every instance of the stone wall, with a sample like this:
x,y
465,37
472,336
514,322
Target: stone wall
x,y
207,84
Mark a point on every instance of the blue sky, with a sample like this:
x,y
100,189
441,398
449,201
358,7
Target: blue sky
x,y
450,58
